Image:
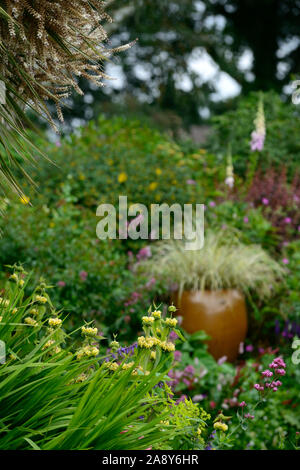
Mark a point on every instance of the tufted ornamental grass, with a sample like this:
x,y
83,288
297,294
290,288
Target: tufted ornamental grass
x,y
45,405
223,263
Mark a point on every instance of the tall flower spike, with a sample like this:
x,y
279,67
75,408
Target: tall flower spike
x,y
229,181
259,134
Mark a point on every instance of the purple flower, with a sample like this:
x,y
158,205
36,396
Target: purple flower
x,y
144,253
189,370
177,355
285,261
265,201
287,220
190,181
212,204
246,220
249,348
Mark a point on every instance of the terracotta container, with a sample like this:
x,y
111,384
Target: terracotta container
x,y
221,314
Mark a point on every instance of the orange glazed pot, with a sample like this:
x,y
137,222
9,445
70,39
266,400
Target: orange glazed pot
x,y
221,314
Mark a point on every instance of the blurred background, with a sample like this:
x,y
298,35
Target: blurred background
x,y
192,60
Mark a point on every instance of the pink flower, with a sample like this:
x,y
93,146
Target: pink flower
x,y
144,253
267,373
229,181
285,261
190,181
246,220
280,371
257,386
222,360
249,348
212,204
83,275
257,141
242,404
265,201
61,283
248,415
287,220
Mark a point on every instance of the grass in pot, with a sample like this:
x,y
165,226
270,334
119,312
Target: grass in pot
x,y
212,285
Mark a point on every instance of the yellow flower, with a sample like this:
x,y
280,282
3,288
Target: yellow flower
x,y
30,321
221,426
153,355
54,321
21,283
167,346
158,171
14,277
89,331
1,319
122,177
41,299
24,199
34,311
156,314
127,366
172,322
153,186
48,344
112,366
148,320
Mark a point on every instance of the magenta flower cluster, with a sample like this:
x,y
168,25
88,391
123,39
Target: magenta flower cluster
x,y
278,365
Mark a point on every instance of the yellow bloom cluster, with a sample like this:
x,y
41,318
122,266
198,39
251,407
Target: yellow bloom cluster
x,y
127,366
41,299
148,320
172,322
167,346
14,277
156,314
88,351
114,345
54,321
112,366
30,321
48,344
221,426
89,331
34,311
148,343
